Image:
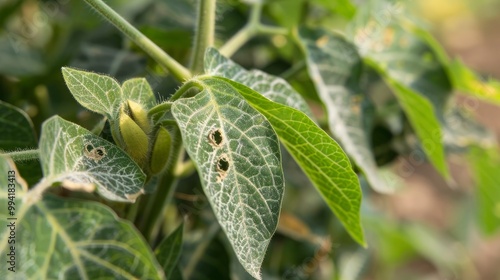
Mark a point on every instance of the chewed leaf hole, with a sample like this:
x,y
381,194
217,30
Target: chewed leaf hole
x,y
215,137
89,147
223,164
94,153
222,167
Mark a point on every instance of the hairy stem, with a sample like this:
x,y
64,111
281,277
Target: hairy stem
x,y
204,34
23,155
179,71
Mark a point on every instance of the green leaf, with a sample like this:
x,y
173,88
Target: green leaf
x,y
238,159
318,155
335,67
74,156
17,133
98,93
485,163
169,251
71,239
272,87
138,90
421,115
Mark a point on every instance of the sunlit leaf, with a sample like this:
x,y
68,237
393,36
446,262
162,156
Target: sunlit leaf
x,y
239,163
74,156
272,87
321,158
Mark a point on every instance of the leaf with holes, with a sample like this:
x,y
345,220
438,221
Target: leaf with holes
x,y
80,240
272,87
335,68
318,155
238,159
74,156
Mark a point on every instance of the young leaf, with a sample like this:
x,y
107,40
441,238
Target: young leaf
x,y
485,163
318,155
169,251
138,90
18,134
98,93
70,239
73,155
272,87
334,66
238,159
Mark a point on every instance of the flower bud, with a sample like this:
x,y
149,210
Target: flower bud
x,y
134,138
139,115
161,150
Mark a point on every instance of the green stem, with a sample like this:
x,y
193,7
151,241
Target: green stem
x,y
237,41
179,71
250,30
23,155
204,34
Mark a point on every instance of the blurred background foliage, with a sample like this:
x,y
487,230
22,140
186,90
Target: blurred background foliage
x,y
428,229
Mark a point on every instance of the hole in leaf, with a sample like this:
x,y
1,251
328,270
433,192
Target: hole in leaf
x,y
223,164
100,152
94,153
215,137
89,147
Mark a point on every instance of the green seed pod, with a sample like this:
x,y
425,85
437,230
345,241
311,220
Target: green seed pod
x,y
136,141
139,115
161,150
